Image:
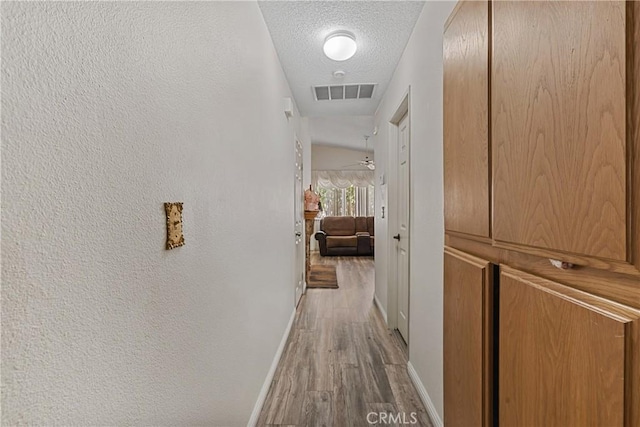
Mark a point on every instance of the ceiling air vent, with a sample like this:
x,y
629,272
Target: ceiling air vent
x,y
335,92
322,93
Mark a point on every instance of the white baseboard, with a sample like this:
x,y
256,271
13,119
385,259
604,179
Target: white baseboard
x,y
424,396
255,414
382,310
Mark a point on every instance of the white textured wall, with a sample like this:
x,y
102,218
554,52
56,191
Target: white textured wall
x,y
303,136
109,110
326,157
421,68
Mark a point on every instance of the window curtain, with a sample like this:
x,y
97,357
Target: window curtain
x,y
341,179
345,193
365,205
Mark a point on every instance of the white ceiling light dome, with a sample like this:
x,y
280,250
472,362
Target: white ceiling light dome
x,y
340,45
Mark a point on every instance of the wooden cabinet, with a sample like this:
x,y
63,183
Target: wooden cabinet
x,y
466,119
542,162
559,133
567,358
467,340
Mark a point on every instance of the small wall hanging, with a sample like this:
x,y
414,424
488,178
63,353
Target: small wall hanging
x,y
174,225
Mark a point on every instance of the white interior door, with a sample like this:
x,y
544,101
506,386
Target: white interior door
x,y
402,235
298,199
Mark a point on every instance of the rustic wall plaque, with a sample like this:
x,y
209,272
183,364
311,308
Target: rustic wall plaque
x,y
174,225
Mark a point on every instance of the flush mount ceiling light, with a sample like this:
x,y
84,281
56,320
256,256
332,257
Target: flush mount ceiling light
x,y
340,46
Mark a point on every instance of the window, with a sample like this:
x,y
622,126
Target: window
x,y
350,201
345,193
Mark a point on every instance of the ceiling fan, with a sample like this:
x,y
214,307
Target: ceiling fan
x,y
366,162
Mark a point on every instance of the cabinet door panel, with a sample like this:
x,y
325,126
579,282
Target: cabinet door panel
x,y
566,357
558,114
467,340
466,119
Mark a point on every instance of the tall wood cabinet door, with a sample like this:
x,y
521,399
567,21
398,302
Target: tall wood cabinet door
x,y
466,119
558,126
566,358
467,340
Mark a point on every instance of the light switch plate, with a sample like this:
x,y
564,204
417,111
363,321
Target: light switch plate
x,y
175,237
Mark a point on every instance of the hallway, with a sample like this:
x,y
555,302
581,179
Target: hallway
x,y
341,362
113,111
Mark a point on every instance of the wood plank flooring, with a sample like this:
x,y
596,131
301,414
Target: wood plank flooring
x,y
340,361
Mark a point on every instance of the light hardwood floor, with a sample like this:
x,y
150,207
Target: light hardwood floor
x,y
340,361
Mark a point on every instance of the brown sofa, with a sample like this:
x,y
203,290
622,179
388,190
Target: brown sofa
x,y
346,235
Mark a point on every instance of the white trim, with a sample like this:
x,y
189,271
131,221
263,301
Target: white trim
x,y
255,414
424,396
392,205
379,305
403,109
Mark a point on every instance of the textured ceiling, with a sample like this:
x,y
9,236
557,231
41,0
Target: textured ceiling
x,y
299,28
341,131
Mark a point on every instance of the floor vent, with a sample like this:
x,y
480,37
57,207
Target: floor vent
x,y
335,92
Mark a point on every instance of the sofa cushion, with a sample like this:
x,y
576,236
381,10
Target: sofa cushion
x,y
373,240
361,223
339,225
341,241
370,227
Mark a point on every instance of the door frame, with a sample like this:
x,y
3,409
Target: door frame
x,y
401,111
299,201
